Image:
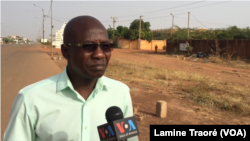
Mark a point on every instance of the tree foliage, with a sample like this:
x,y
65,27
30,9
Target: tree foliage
x,y
132,32
229,33
110,33
6,40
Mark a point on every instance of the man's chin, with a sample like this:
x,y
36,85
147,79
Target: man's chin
x,y
96,75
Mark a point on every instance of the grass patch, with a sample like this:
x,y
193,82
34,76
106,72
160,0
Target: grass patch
x,y
236,63
203,90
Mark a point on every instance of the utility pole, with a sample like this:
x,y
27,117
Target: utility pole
x,y
43,26
188,24
140,34
43,20
114,20
172,24
51,33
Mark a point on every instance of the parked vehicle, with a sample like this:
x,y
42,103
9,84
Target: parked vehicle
x,y
201,55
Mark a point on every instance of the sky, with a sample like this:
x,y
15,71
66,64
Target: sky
x,y
24,19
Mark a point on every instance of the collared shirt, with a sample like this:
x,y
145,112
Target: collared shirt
x,y
51,110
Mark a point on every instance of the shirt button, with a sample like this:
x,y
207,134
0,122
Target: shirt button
x,y
85,127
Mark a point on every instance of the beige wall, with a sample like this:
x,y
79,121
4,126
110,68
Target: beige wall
x,y
145,45
134,44
159,43
125,44
119,43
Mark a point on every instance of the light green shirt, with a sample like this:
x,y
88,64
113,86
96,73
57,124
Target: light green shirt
x,y
51,110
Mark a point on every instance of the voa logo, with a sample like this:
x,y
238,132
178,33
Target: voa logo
x,y
106,132
122,126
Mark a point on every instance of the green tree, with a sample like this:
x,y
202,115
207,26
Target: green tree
x,y
110,33
146,33
159,35
236,32
223,35
133,34
180,34
6,40
122,31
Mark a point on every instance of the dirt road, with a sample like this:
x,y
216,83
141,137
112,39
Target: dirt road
x,y
21,65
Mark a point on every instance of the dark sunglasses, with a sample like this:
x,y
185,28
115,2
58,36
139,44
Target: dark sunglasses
x,y
91,47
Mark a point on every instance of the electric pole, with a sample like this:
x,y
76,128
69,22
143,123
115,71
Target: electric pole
x,y
172,24
43,20
51,33
43,26
140,34
114,20
188,24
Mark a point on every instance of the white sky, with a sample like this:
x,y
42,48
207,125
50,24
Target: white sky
x,y
18,17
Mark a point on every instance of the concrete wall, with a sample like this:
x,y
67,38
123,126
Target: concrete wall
x,y
126,44
159,43
145,45
134,44
119,43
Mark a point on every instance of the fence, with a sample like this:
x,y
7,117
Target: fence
x,y
145,45
236,48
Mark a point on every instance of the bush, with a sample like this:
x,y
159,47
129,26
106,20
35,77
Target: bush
x,y
175,51
164,47
189,49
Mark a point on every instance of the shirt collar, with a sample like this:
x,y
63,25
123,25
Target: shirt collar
x,y
64,82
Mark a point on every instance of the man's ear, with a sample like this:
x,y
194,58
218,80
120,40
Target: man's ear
x,y
65,51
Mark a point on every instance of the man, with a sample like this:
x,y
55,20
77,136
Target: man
x,y
156,47
70,105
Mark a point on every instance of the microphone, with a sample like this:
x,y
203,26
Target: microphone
x,y
118,128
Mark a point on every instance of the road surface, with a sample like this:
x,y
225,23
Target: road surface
x,y
21,65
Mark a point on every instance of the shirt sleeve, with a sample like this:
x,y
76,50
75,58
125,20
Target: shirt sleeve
x,y
129,112
20,127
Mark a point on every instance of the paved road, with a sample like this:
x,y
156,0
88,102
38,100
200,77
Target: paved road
x,y
21,65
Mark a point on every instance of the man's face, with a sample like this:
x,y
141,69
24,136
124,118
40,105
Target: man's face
x,y
89,64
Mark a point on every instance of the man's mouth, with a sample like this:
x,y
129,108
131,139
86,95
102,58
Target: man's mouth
x,y
97,67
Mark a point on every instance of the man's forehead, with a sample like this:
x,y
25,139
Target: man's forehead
x,y
85,28
94,34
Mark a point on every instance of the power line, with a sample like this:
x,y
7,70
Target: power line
x,y
158,17
48,12
165,16
61,18
163,9
199,6
56,19
172,11
198,20
204,22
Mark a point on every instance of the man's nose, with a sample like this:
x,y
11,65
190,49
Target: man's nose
x,y
98,53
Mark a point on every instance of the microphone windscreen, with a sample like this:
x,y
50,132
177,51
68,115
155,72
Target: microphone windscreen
x,y
113,113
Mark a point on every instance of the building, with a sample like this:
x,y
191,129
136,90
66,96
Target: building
x,y
44,40
14,36
1,40
59,37
201,29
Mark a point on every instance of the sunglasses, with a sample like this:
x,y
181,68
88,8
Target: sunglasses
x,y
91,47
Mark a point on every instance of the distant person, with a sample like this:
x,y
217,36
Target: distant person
x,y
70,105
156,47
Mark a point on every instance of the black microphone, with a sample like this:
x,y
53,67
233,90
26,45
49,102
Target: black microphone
x,y
114,113
118,128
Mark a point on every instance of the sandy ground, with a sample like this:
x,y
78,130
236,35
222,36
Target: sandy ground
x,y
21,65
180,110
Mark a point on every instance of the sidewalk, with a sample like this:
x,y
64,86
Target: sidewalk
x,y
21,65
